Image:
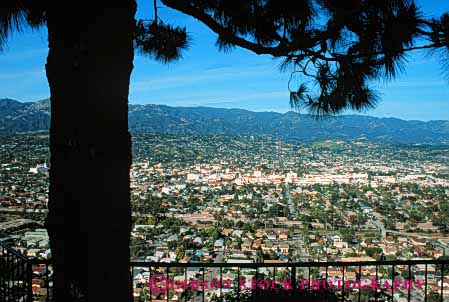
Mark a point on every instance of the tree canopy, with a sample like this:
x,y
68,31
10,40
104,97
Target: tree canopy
x,y
342,45
153,38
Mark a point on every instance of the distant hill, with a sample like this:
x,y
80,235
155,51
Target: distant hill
x,y
18,117
23,117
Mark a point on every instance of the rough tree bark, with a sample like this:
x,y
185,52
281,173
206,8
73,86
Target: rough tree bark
x,y
88,68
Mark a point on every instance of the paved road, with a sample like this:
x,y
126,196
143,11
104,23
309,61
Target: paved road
x,y
405,234
215,271
211,274
291,207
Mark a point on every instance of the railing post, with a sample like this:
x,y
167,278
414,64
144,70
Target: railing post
x,y
377,279
167,284
343,285
204,287
150,285
442,280
29,280
425,288
1,273
8,277
293,278
392,282
221,284
238,283
308,277
360,281
257,281
13,277
186,286
409,280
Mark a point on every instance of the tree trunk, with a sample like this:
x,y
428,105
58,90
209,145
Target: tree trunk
x,y
88,69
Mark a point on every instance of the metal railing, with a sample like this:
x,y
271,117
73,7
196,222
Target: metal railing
x,y
15,278
28,280
412,280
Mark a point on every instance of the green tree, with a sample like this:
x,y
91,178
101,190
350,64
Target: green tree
x,y
180,252
434,297
373,251
444,215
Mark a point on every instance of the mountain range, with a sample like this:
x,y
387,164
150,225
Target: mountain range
x,y
18,117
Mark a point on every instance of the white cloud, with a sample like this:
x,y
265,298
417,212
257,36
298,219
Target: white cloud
x,y
220,73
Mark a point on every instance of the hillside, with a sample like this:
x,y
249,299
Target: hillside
x,y
18,117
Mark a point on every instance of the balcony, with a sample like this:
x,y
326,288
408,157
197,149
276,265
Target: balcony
x,y
28,280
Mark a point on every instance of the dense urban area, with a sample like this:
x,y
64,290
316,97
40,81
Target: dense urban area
x,y
256,199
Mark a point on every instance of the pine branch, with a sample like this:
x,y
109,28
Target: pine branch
x,y
225,33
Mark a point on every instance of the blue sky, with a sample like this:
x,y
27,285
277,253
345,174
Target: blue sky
x,y
239,79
